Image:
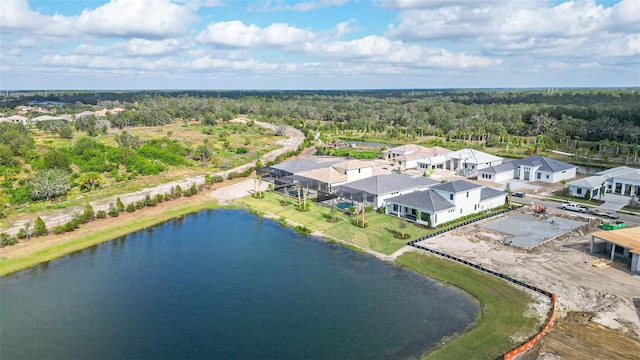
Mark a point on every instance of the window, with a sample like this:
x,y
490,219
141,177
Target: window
x,y
547,176
475,207
460,211
395,207
489,176
467,194
579,191
450,196
538,175
359,171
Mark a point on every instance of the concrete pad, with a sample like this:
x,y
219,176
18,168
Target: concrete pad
x,y
527,231
516,185
614,201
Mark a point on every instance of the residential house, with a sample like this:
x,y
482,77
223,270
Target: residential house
x,y
445,202
48,118
532,168
621,243
406,156
376,189
589,187
17,119
621,180
461,159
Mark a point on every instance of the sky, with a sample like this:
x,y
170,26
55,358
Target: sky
x,y
318,44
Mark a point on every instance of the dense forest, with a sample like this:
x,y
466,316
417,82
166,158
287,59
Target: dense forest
x,y
47,159
559,115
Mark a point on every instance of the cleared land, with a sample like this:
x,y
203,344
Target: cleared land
x,y
563,266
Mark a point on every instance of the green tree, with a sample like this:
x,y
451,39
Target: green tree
x,y
7,240
178,192
119,205
113,212
6,156
39,227
89,181
402,225
65,132
56,159
48,184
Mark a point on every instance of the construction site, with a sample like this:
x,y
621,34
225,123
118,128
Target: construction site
x,y
598,298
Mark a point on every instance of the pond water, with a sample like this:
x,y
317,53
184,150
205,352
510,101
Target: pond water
x,y
224,284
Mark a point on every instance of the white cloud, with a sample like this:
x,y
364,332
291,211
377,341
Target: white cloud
x,y
117,18
237,34
138,18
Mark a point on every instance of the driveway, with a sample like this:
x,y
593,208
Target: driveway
x,y
614,202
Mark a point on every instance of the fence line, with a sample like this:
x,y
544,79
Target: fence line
x,y
529,343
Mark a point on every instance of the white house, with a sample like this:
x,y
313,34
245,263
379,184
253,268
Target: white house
x,y
532,168
622,180
460,159
406,156
589,187
377,189
17,119
445,202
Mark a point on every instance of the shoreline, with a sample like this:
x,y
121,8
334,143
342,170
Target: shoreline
x,y
40,250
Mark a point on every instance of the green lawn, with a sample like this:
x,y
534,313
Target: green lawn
x,y
501,318
378,236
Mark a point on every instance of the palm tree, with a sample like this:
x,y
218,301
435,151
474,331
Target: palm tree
x,y
402,225
563,182
508,190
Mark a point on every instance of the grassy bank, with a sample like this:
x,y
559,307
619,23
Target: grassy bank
x,y
41,249
377,236
503,306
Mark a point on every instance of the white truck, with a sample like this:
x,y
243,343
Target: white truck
x,y
574,207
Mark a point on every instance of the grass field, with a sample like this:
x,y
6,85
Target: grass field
x,y
378,236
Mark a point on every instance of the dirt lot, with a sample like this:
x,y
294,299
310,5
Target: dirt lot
x,y
608,297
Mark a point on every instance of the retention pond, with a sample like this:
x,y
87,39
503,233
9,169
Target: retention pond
x,y
224,284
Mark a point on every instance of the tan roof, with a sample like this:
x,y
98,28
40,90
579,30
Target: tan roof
x,y
351,165
627,237
326,175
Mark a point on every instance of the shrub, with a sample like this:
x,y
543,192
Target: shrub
x,y
101,214
192,190
159,198
39,227
131,208
58,230
22,233
113,212
178,192
139,204
282,220
167,197
303,230
232,175
7,240
119,205
216,179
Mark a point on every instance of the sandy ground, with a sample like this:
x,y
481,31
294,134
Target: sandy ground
x,y
609,297
290,142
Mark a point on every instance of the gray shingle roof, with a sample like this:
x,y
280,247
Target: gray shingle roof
x,y
457,186
546,164
384,184
427,200
490,193
498,168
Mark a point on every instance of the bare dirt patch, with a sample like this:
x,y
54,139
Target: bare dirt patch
x,y
562,266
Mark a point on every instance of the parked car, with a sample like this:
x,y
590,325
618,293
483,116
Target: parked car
x,y
518,194
574,207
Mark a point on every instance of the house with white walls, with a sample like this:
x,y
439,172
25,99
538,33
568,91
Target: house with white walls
x,y
377,189
532,168
406,156
621,180
471,159
445,202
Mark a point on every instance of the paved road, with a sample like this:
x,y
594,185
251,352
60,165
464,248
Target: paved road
x,y
556,205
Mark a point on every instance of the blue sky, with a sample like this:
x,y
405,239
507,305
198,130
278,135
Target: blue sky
x,y
318,44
